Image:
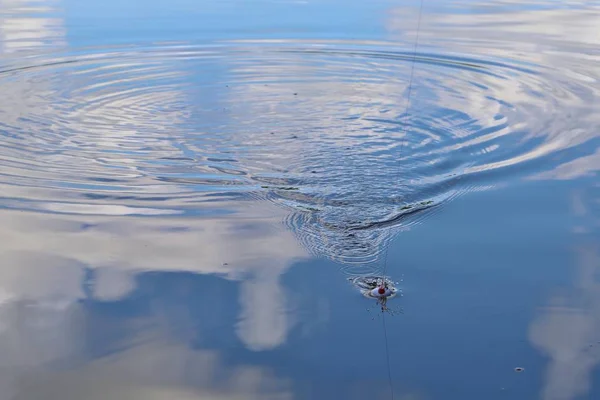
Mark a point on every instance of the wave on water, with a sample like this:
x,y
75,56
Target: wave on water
x,y
316,128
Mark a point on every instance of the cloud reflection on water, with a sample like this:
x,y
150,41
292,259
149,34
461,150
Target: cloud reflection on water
x,y
53,263
553,107
53,363
551,80
567,329
67,253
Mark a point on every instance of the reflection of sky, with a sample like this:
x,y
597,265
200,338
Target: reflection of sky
x,y
207,306
28,25
547,88
144,346
117,22
48,263
505,115
255,250
567,328
51,265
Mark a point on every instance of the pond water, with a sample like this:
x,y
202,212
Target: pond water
x,y
190,191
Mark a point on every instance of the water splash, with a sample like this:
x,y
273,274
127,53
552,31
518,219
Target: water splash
x,y
365,284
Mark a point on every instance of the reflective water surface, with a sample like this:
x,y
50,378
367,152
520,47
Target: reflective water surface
x,y
189,189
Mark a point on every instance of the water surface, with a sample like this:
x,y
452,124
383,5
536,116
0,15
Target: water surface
x,y
187,187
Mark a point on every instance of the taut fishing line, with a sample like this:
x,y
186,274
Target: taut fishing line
x,y
404,131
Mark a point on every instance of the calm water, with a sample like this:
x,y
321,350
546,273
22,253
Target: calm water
x,y
187,187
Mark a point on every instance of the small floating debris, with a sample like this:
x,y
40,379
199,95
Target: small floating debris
x,y
519,369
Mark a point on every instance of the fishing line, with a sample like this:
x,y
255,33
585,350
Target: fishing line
x,y
387,357
404,131
406,111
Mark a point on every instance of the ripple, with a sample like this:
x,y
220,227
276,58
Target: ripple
x,y
317,128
